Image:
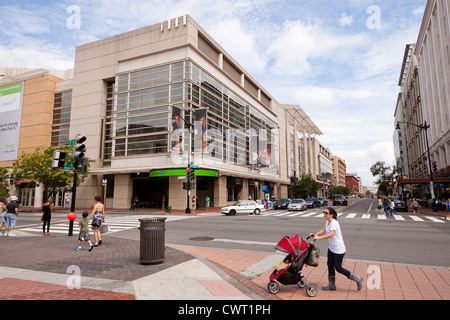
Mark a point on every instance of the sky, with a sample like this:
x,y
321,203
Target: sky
x,y
340,60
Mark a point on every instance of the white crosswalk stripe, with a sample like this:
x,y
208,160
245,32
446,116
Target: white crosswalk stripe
x,y
319,214
115,224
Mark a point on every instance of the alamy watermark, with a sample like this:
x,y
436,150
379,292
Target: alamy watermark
x,y
74,280
73,22
374,21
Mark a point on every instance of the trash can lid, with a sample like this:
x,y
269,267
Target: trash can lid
x,y
149,220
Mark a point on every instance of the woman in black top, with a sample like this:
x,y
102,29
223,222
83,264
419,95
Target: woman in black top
x,y
47,216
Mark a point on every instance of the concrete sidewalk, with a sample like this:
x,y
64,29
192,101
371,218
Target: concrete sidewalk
x,y
48,268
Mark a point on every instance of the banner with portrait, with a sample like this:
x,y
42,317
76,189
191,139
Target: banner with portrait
x,y
176,130
200,130
11,99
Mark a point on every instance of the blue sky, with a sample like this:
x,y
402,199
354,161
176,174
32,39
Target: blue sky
x,y
340,60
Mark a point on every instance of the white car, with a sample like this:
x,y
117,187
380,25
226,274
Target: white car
x,y
243,207
297,204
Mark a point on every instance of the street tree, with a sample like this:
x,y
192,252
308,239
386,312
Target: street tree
x,y
305,187
4,190
37,167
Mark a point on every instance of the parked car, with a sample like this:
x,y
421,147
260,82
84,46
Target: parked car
x,y
323,202
399,205
297,204
282,203
243,207
313,202
339,200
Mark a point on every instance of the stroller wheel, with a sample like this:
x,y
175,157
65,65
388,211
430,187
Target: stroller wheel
x,y
301,284
273,287
311,290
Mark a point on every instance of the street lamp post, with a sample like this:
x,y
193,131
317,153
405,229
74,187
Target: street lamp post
x,y
425,127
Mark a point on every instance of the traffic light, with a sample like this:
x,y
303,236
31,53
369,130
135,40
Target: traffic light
x,y
434,166
79,148
188,186
11,179
190,173
59,158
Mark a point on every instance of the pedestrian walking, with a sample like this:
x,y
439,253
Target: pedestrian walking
x,y
392,208
67,202
98,217
447,207
380,205
193,204
132,203
415,206
385,206
12,212
47,209
208,201
84,232
336,250
2,213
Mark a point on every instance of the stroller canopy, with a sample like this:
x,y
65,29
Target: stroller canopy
x,y
294,244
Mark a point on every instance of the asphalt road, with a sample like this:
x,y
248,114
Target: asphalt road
x,y
390,240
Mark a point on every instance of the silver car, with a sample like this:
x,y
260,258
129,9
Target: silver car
x,y
297,204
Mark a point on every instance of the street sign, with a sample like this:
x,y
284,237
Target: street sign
x,y
68,166
71,142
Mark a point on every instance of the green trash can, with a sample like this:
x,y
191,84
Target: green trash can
x,y
152,240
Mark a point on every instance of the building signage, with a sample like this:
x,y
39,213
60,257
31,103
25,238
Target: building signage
x,y
11,97
182,172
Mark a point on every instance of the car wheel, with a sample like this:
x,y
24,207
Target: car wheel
x,y
257,211
233,212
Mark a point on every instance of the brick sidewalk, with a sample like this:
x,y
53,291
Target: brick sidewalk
x,y
397,282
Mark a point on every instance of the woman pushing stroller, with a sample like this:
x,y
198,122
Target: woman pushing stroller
x,y
336,250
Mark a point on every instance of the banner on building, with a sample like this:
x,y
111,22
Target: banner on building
x,y
200,130
11,98
176,133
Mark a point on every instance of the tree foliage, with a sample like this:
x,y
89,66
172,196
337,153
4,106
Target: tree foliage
x,y
4,175
37,166
341,190
385,176
305,187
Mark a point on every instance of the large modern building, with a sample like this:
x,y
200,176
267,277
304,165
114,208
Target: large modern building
x,y
433,58
424,98
153,101
26,118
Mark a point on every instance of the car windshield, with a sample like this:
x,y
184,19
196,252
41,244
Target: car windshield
x,y
284,200
339,197
297,201
311,199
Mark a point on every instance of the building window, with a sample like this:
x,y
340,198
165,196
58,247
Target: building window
x,y
61,118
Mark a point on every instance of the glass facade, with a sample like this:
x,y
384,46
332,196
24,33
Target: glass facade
x,y
141,121
61,118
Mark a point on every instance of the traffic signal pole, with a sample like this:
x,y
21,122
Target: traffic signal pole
x,y
74,195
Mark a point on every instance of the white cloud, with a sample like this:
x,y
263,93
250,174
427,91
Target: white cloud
x,y
242,45
345,20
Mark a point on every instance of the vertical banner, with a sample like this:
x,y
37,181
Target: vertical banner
x,y
176,130
200,117
11,97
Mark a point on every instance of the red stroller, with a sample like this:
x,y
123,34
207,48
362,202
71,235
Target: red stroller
x,y
288,272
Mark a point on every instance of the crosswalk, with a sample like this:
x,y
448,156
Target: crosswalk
x,y
346,215
115,224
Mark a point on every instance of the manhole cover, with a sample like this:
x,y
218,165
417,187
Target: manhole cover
x,y
201,239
